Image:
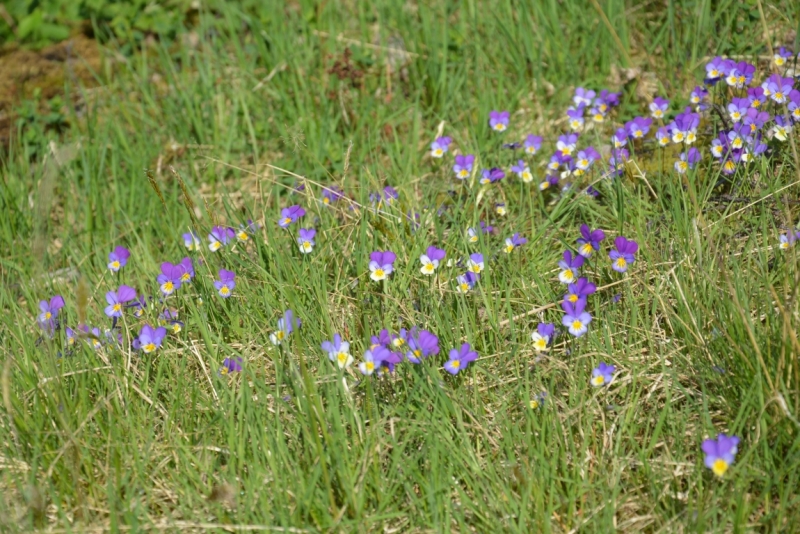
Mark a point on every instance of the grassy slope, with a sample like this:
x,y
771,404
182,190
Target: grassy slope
x,y
703,335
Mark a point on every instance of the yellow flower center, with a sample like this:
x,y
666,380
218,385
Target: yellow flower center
x,y
117,307
438,152
167,287
224,371
621,263
417,353
242,236
215,246
306,246
150,347
587,249
473,239
287,220
719,467
370,366
280,335
380,273
176,327
115,265
464,287
500,127
779,96
185,277
577,325
598,380
509,249
573,297
224,291
568,275
462,173
476,268
534,404
47,315
342,357
428,267
456,364
540,344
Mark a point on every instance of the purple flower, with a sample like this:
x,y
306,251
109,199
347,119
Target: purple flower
x,y
421,344
169,317
150,338
373,359
116,299
225,284
569,267
475,263
513,242
243,235
498,120
472,235
430,260
616,163
117,258
188,270
755,120
330,195
523,171
191,241
589,241
638,127
338,351
439,146
466,281
49,313
463,166
286,326
492,175
620,138
782,56
576,319
460,358
93,337
579,290
606,99
543,336
737,108
755,97
658,107
583,96
170,278
584,160
603,374
794,105
567,143
575,118
532,144
219,237
684,128
720,453
739,74
777,88
716,69
305,239
290,215
623,255
788,239
381,264
688,160
231,365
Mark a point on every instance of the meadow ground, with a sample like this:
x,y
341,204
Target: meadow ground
x,y
253,111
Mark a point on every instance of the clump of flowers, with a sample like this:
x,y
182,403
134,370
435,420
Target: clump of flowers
x,y
720,453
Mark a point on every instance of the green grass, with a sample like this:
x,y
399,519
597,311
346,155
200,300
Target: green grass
x,y
704,335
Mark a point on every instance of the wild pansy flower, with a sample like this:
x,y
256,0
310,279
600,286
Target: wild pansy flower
x,y
169,318
575,118
755,120
603,374
638,127
737,108
623,255
138,306
581,289
567,143
72,337
788,239
720,453
286,326
475,263
245,231
576,319
532,144
472,234
290,215
226,283
716,69
513,242
783,126
592,192
755,97
777,88
331,194
381,264
150,338
460,358
551,181
117,258
421,344
430,260
616,163
465,282
782,56
498,120
688,160
305,239
188,270
463,166
49,313
338,351
170,278
116,299
373,359
662,136
191,241
219,237
440,146
500,209
538,401
740,74
489,176
606,99
523,171
620,138
93,337
231,365
583,97
569,267
589,240
658,107
597,114
794,105
542,336
584,160
684,128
